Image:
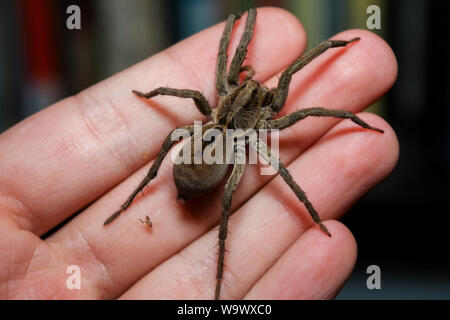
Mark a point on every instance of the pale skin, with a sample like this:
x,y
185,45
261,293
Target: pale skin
x,y
95,147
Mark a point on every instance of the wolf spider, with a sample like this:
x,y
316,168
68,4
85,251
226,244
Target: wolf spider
x,y
247,105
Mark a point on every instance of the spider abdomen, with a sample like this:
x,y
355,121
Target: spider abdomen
x,y
201,171
193,180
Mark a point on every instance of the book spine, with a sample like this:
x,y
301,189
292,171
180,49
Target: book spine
x,y
42,79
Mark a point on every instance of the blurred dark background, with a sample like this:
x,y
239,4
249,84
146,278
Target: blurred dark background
x,y
401,226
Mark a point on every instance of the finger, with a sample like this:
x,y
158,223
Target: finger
x,y
29,268
335,172
314,267
127,242
350,78
74,151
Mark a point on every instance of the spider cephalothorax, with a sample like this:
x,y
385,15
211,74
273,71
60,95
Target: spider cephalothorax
x,y
245,106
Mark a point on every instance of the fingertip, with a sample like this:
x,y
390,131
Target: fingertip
x,y
343,250
385,146
289,25
361,152
376,52
334,256
342,237
314,267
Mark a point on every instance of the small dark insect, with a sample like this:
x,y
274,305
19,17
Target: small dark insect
x,y
247,105
147,221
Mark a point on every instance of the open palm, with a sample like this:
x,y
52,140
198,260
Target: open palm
x,y
85,154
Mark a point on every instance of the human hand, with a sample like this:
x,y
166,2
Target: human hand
x,y
91,150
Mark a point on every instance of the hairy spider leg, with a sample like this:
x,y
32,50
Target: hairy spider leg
x,y
241,50
199,99
281,92
267,155
250,71
222,57
290,119
230,187
167,145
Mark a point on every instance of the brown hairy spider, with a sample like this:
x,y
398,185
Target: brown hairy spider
x,y
246,106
